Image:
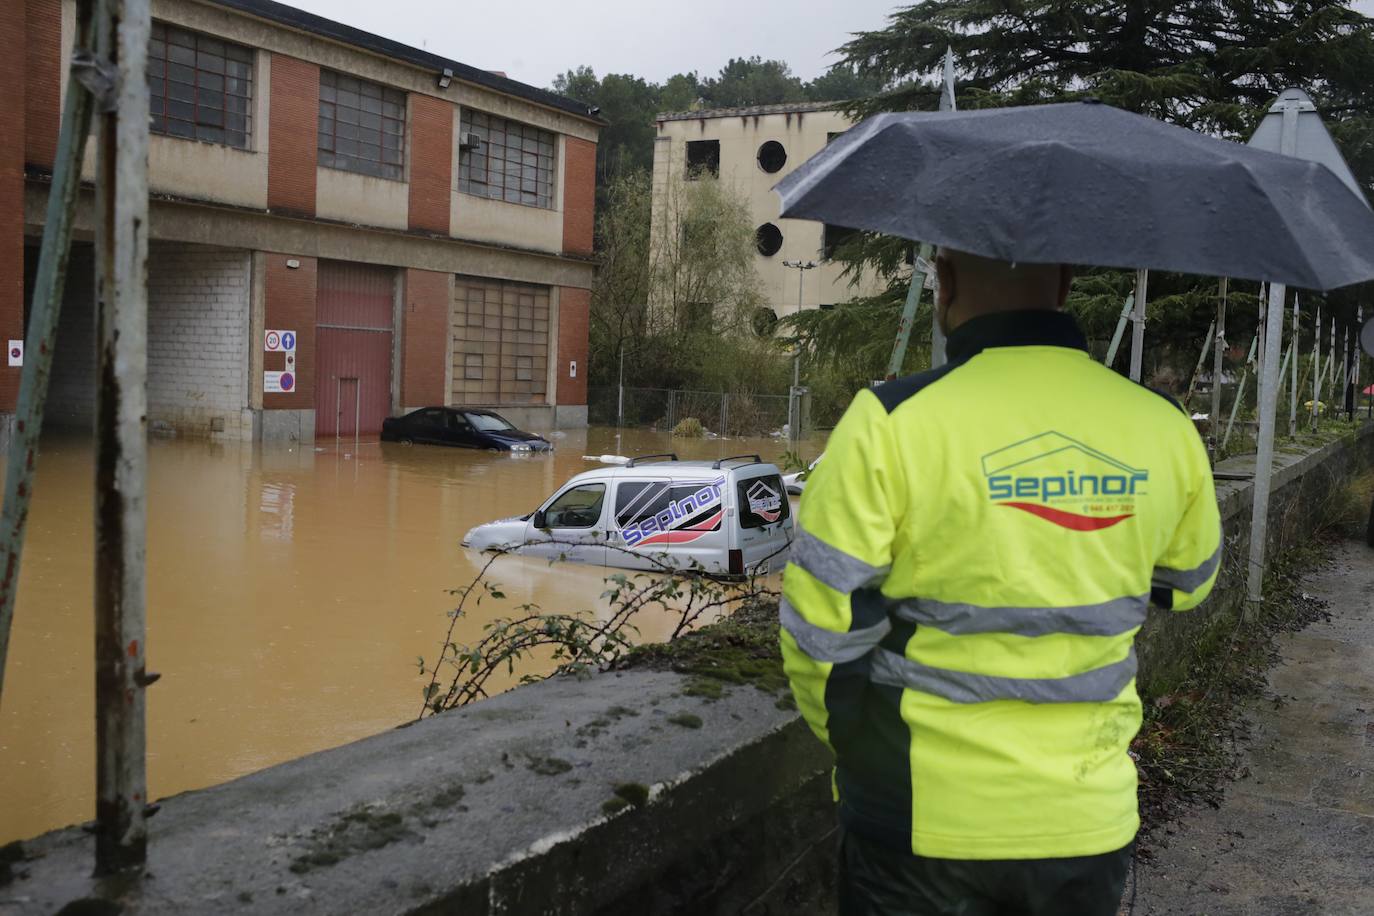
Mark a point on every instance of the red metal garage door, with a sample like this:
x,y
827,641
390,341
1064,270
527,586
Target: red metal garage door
x,y
354,316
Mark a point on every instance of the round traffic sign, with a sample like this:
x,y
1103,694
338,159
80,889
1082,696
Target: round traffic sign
x,y
273,340
1367,337
288,341
16,352
288,381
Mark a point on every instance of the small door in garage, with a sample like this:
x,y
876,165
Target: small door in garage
x,y
354,318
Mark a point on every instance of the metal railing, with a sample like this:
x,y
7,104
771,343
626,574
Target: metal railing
x,y
723,413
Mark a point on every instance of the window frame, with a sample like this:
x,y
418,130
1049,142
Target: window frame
x,y
602,485
160,85
542,189
391,109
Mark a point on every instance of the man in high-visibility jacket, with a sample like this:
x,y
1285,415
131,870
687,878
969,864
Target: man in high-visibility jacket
x,y
975,556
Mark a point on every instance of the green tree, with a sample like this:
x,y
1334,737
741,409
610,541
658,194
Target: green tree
x,y
843,83
747,81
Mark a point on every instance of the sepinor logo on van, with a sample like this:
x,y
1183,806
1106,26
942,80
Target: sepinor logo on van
x,y
764,501
1065,482
682,520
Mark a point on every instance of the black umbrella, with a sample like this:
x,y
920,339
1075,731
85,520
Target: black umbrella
x,y
1085,183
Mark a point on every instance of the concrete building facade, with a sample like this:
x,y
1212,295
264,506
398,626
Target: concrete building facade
x,y
753,149
325,202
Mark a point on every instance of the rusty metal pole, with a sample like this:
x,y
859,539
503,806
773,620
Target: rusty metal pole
x,y
43,318
121,450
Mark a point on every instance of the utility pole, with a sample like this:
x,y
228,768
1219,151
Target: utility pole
x,y
794,398
121,452
1293,394
1214,423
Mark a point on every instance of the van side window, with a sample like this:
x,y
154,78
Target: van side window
x,y
579,507
762,501
667,505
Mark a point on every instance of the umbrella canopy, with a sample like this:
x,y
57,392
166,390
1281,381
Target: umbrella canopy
x,y
1085,183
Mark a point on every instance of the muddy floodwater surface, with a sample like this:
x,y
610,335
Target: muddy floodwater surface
x,y
290,594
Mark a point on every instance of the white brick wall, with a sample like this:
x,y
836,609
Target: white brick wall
x,y
198,306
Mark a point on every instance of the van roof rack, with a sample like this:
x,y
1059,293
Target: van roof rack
x,y
720,461
667,456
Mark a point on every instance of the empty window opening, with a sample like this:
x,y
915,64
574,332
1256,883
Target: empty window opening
x,y
832,237
765,322
703,158
768,237
772,156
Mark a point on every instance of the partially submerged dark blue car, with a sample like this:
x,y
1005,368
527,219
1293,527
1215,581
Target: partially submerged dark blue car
x,y
464,427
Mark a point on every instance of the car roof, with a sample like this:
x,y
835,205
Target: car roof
x,y
690,470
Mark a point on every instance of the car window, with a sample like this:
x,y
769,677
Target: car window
x,y
457,422
488,423
579,507
432,415
762,501
643,507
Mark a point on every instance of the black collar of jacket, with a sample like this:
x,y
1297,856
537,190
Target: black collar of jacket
x,y
1022,328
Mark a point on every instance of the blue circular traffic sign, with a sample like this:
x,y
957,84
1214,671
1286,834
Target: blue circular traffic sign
x,y
288,381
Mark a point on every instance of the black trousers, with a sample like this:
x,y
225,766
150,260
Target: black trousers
x,y
876,880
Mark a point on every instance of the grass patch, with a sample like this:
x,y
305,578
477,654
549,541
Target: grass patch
x,y
740,650
634,793
686,720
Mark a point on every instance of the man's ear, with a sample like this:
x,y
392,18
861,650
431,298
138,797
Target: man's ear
x,y
945,284
1065,283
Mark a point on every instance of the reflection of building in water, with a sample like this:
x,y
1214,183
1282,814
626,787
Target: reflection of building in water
x,y
277,505
753,149
341,227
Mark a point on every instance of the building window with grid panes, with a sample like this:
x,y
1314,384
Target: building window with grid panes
x,y
199,87
500,336
362,126
506,160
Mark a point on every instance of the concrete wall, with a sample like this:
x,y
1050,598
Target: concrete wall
x,y
802,135
350,197
501,807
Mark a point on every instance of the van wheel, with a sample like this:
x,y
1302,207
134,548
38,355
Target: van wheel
x,y
406,440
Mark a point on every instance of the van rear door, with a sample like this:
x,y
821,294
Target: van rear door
x,y
764,526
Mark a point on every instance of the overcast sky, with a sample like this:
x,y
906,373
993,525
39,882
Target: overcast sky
x,y
535,40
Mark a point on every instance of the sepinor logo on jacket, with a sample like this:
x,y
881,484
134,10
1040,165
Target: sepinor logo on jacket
x,y
1063,481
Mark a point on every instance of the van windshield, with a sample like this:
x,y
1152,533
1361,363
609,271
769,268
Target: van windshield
x,y
762,501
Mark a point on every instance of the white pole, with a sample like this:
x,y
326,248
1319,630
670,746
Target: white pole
x,y
1264,460
1120,330
1217,367
937,336
1142,280
1316,364
1268,406
1293,394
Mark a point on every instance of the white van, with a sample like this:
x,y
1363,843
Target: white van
x,y
728,517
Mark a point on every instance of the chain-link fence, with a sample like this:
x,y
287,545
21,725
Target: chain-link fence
x,y
663,408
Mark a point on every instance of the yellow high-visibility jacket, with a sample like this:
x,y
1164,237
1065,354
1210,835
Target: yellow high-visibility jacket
x,y
976,553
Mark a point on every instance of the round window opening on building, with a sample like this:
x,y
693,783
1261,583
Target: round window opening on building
x,y
772,156
769,239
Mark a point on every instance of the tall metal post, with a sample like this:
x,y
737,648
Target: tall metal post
x,y
121,454
1197,370
620,396
1316,365
1264,459
1142,279
1110,360
49,284
908,319
1293,394
1217,369
794,398
937,334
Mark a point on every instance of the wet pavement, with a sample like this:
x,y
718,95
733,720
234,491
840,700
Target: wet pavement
x,y
290,594
1297,835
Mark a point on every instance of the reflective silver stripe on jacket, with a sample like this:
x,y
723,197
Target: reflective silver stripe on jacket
x,y
833,566
1099,685
1188,580
826,645
1108,618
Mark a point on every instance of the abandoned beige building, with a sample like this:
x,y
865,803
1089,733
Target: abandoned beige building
x,y
753,149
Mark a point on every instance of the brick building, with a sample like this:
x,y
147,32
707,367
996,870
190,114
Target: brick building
x,y
416,231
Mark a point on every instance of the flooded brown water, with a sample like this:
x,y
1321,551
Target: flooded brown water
x,y
290,593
